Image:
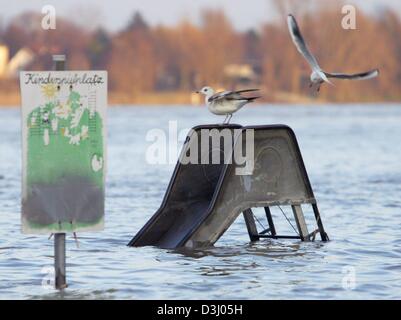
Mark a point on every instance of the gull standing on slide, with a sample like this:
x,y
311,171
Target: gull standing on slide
x,y
318,76
226,102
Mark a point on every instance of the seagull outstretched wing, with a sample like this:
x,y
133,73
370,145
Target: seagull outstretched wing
x,y
300,44
357,76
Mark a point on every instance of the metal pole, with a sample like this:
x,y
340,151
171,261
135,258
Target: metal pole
x,y
323,233
59,62
270,221
60,261
59,238
301,223
251,225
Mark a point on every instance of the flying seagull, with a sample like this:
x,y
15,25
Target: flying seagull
x,y
226,102
319,76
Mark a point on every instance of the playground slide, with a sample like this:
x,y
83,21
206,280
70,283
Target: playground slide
x,y
203,199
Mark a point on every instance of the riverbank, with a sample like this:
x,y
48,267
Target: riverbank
x,y
10,97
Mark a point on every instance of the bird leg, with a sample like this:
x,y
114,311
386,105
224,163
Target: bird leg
x,y
225,119
229,118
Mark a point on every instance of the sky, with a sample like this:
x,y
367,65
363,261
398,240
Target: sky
x,y
244,14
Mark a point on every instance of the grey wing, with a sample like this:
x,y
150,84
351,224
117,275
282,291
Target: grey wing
x,y
230,95
356,76
220,95
246,90
300,42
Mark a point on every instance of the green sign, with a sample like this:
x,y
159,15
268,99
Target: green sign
x,y
64,154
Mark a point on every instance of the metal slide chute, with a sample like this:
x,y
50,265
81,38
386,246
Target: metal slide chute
x,y
203,199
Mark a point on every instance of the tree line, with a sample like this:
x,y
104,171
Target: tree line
x,y
142,58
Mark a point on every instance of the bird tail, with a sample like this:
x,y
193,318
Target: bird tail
x,y
252,99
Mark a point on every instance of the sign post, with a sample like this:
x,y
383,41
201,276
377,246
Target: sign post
x,y
63,154
60,260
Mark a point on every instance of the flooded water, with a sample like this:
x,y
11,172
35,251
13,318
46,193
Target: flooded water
x,y
353,157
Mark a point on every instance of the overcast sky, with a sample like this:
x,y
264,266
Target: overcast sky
x,y
114,14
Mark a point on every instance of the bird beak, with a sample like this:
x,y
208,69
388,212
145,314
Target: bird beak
x,y
197,92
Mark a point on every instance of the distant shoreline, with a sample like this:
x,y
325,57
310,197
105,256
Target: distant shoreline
x,y
318,104
12,99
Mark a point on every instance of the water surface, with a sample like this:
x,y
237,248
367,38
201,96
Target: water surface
x,y
353,157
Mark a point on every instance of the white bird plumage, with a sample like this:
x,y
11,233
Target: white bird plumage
x,y
226,102
318,76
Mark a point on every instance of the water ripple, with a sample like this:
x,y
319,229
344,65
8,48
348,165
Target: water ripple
x,y
353,166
